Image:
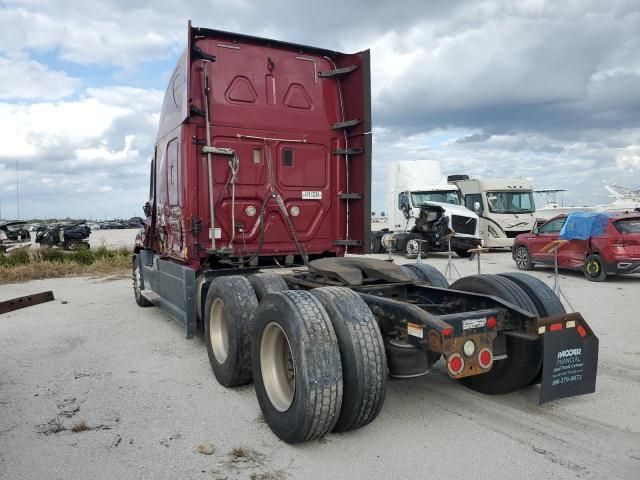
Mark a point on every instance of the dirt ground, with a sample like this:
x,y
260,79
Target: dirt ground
x,y
143,400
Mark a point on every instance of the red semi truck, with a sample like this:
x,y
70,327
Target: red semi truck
x,y
257,221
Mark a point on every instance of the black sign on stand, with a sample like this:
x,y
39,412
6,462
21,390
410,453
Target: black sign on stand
x,y
570,364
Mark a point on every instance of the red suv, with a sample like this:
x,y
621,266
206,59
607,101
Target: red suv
x,y
615,250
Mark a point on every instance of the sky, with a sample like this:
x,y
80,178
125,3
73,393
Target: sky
x,y
543,90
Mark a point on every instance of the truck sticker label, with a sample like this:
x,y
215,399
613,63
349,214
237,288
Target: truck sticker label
x,y
474,323
414,330
311,195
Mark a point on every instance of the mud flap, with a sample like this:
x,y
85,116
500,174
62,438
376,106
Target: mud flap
x,y
570,357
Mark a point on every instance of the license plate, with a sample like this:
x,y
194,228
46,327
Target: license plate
x,y
311,195
474,323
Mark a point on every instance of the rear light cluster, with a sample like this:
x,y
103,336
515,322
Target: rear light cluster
x,y
485,358
455,362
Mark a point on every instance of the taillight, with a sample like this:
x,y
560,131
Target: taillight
x,y
485,358
491,322
455,364
618,245
447,332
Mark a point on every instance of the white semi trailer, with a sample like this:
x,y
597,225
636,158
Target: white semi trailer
x,y
505,206
421,205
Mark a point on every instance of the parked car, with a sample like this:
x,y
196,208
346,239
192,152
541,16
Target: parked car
x,y
70,236
609,245
135,222
13,234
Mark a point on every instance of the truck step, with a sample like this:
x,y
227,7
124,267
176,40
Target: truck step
x,y
350,196
150,295
348,243
338,71
345,125
348,151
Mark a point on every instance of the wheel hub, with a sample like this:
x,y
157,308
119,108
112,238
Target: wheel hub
x,y
413,247
278,367
219,331
521,257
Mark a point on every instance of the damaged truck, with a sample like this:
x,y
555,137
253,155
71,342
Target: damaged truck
x,y
425,213
257,226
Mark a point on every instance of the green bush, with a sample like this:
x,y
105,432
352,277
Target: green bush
x,y
83,257
15,258
51,255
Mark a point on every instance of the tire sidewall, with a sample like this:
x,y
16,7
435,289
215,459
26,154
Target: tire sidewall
x,y
276,309
594,261
235,364
527,258
352,321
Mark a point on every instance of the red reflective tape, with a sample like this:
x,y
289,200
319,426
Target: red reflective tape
x,y
555,326
581,331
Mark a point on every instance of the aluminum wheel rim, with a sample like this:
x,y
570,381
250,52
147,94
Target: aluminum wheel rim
x,y
219,331
593,268
521,257
278,371
412,247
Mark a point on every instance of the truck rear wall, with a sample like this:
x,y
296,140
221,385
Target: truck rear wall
x,y
271,103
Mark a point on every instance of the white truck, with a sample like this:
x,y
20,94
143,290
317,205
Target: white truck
x,y
421,205
505,206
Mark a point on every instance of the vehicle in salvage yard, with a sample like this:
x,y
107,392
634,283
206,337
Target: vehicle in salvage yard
x,y
69,236
14,234
273,168
599,244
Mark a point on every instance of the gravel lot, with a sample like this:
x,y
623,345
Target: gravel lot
x,y
149,399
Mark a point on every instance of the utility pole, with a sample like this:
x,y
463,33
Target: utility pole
x,y
17,189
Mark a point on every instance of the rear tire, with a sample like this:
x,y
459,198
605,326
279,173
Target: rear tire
x,y
363,356
524,356
265,283
412,275
594,268
296,366
73,244
413,246
404,244
228,321
137,285
545,300
523,259
429,274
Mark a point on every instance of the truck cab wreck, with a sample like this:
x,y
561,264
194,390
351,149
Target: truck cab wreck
x,y
263,159
425,213
444,225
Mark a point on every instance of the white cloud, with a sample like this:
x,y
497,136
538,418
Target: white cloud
x,y
534,88
22,79
629,158
86,157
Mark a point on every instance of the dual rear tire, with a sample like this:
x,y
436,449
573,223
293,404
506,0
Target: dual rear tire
x,y
524,357
316,357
